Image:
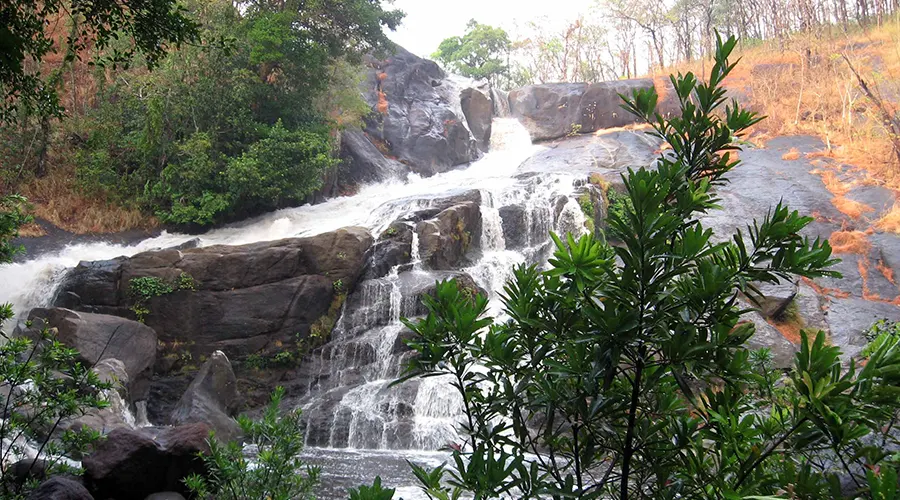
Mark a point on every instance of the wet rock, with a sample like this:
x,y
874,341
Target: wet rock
x,y
371,304
548,111
135,464
212,398
479,112
393,248
60,488
118,413
91,283
363,162
416,116
601,106
767,336
191,243
849,318
524,226
97,337
608,155
445,239
165,495
246,299
810,307
775,298
500,102
513,219
554,110
26,470
113,371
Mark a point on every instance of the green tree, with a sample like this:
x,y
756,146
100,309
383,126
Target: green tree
x,y
482,52
12,216
215,135
278,472
149,28
623,372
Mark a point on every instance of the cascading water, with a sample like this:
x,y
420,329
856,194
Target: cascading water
x,y
350,402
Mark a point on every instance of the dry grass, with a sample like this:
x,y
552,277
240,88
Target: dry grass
x,y
886,271
854,242
821,290
851,208
31,231
56,199
818,95
791,155
789,330
890,221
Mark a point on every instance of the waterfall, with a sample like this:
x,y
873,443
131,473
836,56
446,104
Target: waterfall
x,y
350,401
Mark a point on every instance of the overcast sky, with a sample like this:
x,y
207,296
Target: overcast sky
x,y
427,22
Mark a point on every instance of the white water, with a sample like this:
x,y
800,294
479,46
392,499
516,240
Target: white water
x,y
32,283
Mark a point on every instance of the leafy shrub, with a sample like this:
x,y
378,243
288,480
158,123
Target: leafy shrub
x,y
44,384
374,492
624,373
144,288
12,216
277,473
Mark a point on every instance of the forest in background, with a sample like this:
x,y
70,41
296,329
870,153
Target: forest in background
x,y
826,68
239,121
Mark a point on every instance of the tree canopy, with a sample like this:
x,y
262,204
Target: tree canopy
x,y
482,52
120,29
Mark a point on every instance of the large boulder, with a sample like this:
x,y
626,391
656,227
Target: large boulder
x,y
479,112
416,116
60,488
363,162
393,248
446,238
554,110
212,398
98,337
548,111
242,300
135,464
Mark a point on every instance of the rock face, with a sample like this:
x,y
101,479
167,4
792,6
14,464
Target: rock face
x,y
548,111
60,488
99,336
415,118
479,111
246,299
554,110
394,247
132,464
363,162
212,398
446,236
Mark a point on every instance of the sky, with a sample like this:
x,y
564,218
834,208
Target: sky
x,y
428,22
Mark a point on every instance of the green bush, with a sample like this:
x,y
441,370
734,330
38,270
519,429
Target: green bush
x,y
44,384
624,372
12,216
277,473
374,492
